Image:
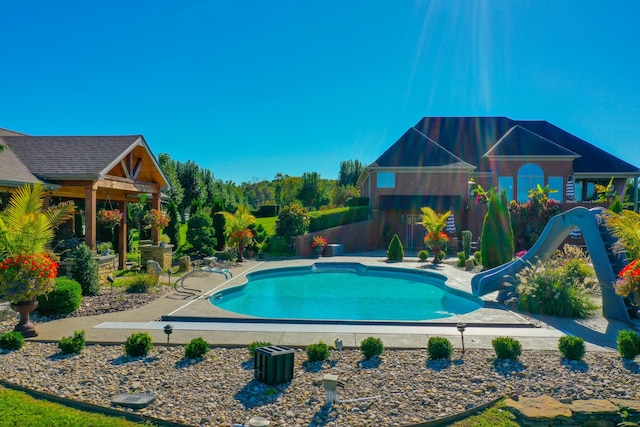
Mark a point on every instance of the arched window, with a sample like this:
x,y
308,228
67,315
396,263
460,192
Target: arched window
x,y
529,176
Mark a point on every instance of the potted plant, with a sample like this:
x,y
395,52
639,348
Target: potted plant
x,y
109,217
104,248
318,245
435,237
27,267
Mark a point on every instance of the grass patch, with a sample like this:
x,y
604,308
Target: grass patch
x,y
495,416
18,408
269,224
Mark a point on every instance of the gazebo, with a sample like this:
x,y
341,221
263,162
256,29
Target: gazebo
x,y
96,169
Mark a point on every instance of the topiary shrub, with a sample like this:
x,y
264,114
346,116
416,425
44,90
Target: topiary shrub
x,y
197,347
497,235
571,347
72,345
628,344
11,341
423,255
477,258
507,348
138,344
84,270
200,234
462,258
173,228
256,345
395,251
317,352
439,348
293,220
467,238
371,347
441,255
65,297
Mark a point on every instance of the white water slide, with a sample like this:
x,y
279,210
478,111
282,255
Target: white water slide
x,y
597,239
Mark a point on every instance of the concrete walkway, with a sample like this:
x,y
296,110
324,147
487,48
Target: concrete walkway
x,y
220,327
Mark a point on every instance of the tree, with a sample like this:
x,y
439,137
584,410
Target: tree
x,y
292,221
435,224
350,171
497,235
309,189
200,234
218,223
341,193
173,229
169,168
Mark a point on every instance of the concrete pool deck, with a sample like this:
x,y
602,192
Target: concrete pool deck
x,y
192,315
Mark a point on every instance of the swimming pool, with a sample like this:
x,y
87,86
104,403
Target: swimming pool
x,y
346,291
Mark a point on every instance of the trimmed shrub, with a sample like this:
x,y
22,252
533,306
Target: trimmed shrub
x,y
441,255
371,347
395,251
497,235
293,220
467,238
173,229
219,222
72,345
357,201
65,297
200,234
571,347
461,259
628,344
84,270
423,255
138,344
317,352
477,257
256,345
507,348
268,211
439,348
321,220
197,347
11,341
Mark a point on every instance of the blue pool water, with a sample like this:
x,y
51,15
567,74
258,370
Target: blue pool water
x,y
346,291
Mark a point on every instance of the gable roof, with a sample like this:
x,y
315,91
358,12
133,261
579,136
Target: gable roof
x,y
519,142
416,150
470,138
77,157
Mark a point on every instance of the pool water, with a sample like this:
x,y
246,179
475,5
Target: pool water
x,y
346,291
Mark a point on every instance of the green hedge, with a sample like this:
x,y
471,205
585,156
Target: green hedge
x,y
357,201
321,220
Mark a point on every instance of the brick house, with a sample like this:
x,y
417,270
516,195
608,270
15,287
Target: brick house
x,y
94,171
434,162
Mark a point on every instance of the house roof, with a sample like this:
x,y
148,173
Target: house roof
x,y
470,138
78,157
13,173
521,142
414,149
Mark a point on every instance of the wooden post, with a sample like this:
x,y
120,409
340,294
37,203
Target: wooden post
x,y
90,216
122,238
155,204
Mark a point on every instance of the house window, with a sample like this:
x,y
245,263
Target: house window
x,y
556,183
529,176
506,183
386,180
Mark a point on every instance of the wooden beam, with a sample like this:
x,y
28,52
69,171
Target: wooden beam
x,y
125,168
136,168
124,184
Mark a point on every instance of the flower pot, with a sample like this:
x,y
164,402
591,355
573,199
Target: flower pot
x,y
25,326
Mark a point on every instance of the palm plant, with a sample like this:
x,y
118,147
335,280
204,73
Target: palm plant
x,y
626,228
25,226
237,229
435,224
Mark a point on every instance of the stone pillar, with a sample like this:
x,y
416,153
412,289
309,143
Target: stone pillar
x,y
160,254
184,264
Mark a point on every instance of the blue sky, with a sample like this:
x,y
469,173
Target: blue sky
x,y
252,88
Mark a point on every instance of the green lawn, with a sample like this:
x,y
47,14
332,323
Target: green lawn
x,y
269,224
20,409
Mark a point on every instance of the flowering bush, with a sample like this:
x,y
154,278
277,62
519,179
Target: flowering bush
x,y
319,241
628,279
24,277
109,217
156,219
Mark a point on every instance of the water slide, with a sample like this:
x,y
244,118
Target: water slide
x,y
596,237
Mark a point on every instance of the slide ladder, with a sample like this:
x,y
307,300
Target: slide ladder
x,y
599,242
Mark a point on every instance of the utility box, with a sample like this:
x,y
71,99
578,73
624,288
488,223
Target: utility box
x,y
273,364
